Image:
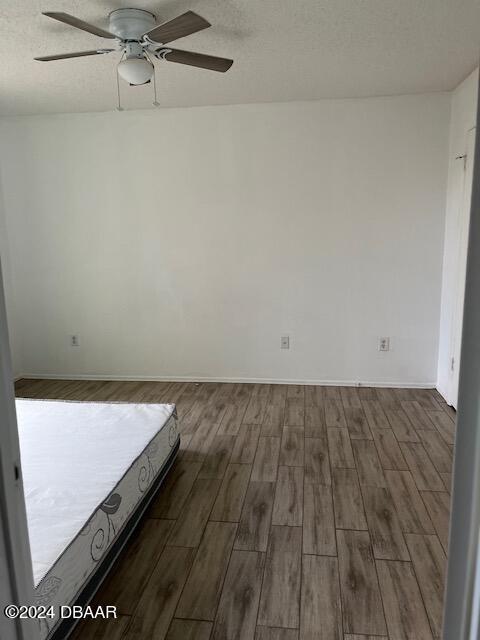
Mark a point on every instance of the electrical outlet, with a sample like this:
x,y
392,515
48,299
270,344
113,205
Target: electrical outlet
x,y
75,341
384,344
285,342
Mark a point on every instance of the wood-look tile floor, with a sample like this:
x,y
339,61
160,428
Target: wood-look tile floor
x,y
292,513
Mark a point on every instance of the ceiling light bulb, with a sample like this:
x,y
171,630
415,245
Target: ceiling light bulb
x,y
135,70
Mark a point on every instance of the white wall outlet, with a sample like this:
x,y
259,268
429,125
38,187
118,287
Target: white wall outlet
x,y
285,342
384,344
75,340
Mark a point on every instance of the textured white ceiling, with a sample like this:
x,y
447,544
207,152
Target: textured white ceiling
x,y
283,50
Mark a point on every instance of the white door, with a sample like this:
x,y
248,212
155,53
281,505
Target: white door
x,y
464,223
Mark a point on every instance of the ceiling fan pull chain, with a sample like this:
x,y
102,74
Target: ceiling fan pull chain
x,y
119,104
155,101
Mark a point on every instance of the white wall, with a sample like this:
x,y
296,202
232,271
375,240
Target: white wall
x,y
185,242
463,118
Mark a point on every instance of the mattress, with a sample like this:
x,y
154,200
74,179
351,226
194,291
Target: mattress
x,y
86,467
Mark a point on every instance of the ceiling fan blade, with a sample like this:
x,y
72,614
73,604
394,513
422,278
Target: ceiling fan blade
x,y
79,24
77,54
194,59
179,27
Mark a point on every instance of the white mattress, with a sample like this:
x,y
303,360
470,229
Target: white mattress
x,y
74,454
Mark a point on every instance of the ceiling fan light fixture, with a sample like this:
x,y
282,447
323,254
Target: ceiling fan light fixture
x,y
135,70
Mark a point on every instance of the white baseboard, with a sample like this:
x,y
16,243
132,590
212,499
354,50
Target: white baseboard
x,y
443,392
173,378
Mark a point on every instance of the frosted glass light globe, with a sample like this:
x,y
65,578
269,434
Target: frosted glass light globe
x,y
135,70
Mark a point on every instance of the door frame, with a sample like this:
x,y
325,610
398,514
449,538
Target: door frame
x,y
15,560
462,603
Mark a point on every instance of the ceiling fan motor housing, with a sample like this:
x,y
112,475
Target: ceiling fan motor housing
x,y
131,24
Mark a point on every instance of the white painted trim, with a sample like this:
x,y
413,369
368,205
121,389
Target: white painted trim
x,y
15,560
443,392
323,383
461,601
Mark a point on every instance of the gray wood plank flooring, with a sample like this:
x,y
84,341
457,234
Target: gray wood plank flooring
x,y
292,513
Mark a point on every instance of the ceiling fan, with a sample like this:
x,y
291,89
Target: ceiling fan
x,y
137,35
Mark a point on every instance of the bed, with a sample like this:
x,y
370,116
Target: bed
x,y
89,471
